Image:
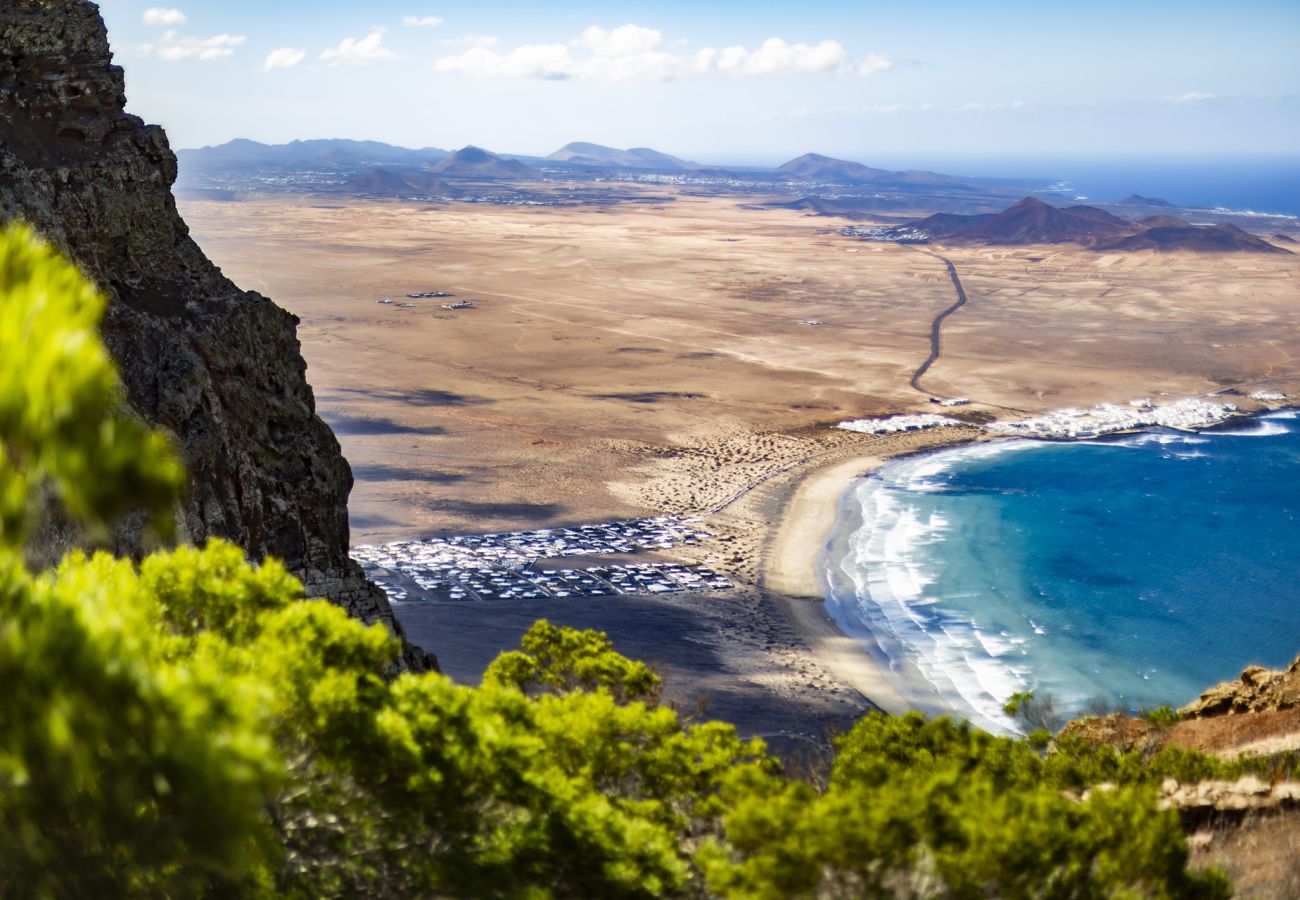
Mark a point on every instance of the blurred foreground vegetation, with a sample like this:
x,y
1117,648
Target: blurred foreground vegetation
x,y
192,726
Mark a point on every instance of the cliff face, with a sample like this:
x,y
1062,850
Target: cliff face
x,y
219,367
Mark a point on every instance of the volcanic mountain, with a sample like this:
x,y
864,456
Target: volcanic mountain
x,y
1031,221
1165,238
1161,221
1139,200
825,168
475,162
815,167
595,155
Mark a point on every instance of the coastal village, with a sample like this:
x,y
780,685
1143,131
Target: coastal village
x,y
508,566
1189,414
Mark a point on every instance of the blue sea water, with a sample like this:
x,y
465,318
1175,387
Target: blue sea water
x,y
1262,184
1137,571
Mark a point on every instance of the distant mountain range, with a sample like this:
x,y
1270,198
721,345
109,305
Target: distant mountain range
x,y
243,154
1031,221
836,187
338,155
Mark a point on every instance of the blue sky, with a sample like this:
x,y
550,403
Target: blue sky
x,y
742,82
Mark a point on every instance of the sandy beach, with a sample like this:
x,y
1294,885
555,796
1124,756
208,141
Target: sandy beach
x,y
789,576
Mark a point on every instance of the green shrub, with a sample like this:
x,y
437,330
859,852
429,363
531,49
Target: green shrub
x,y
1162,715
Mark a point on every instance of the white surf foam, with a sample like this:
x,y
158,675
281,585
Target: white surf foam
x,y
1265,426
969,670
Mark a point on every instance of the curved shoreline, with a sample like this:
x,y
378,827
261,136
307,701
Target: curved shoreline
x,y
789,576
793,555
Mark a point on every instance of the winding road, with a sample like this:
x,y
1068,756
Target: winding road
x,y
936,327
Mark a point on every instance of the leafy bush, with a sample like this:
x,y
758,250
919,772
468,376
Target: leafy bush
x,y
1162,715
1034,711
193,726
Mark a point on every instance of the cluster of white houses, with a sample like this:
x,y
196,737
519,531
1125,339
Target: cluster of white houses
x,y
895,424
508,566
1071,424
1109,418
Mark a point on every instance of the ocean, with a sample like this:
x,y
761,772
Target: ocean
x,y
1262,184
1132,572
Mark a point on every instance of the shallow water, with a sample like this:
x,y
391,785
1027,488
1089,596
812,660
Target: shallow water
x,y
1137,571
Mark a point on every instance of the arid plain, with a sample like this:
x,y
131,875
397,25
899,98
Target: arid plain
x,y
685,355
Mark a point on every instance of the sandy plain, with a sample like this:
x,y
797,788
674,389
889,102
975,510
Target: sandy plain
x,y
654,358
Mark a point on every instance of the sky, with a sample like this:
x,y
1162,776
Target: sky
x,y
756,82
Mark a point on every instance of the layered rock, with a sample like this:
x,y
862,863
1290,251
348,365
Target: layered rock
x,y
1256,690
218,367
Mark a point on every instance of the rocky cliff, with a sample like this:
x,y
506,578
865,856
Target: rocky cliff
x,y
1256,690
219,367
1249,825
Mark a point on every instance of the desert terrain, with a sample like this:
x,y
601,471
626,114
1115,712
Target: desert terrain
x,y
602,339
685,355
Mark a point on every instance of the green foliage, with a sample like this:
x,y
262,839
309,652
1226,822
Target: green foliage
x,y
1162,715
563,660
1016,702
935,808
122,773
63,426
192,726
1034,712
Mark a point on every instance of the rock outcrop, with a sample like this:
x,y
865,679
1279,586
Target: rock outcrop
x,y
218,367
1124,733
1256,690
1246,794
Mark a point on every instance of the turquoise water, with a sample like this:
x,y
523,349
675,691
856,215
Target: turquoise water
x,y
1136,571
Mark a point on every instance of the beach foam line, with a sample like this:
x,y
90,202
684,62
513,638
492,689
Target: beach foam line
x,y
964,669
1163,438
1265,426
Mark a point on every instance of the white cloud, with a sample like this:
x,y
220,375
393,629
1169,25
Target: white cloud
x,y
633,51
528,61
284,58
776,56
1190,97
174,48
355,52
421,21
157,17
626,40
